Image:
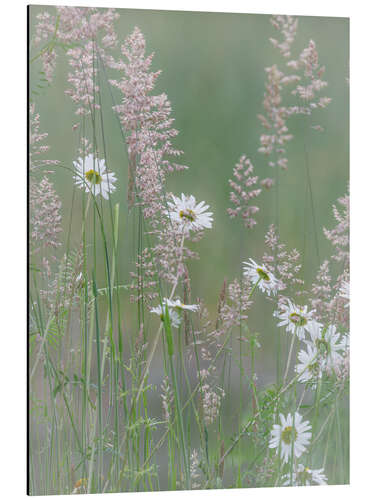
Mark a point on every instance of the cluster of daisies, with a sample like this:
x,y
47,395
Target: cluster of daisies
x,y
323,350
324,347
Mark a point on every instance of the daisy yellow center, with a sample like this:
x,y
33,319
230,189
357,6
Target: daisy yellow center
x,y
304,475
93,177
289,434
188,215
297,319
262,274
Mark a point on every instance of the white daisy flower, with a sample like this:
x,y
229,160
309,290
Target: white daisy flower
x,y
92,175
328,342
304,476
188,215
174,317
295,318
291,433
309,366
345,292
179,306
268,283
